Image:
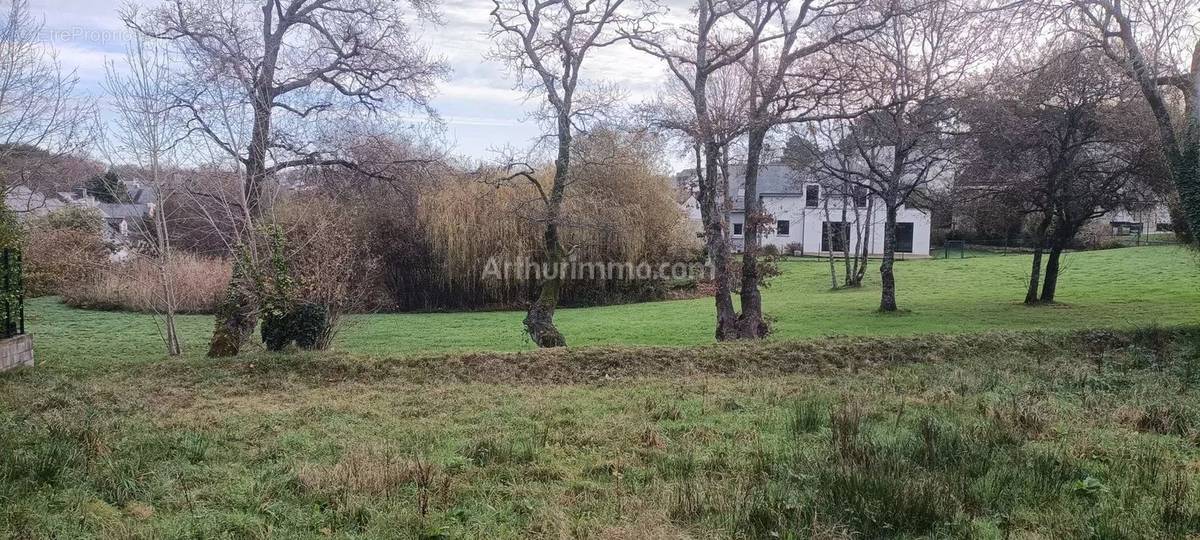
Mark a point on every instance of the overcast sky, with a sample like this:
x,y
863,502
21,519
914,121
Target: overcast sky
x,y
478,104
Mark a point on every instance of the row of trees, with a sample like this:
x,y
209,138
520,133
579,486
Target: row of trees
x,y
887,92
893,96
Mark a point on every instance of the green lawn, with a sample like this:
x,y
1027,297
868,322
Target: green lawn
x,y
1113,288
1044,434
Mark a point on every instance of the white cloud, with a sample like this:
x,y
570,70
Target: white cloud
x,y
478,104
88,64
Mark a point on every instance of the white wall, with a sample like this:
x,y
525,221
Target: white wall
x,y
806,225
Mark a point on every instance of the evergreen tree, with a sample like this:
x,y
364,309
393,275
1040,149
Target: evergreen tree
x,y
107,188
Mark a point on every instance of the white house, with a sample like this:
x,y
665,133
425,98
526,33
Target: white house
x,y
691,209
1142,218
801,223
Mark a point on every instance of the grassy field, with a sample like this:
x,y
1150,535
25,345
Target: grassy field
x,y
993,436
1114,288
1034,432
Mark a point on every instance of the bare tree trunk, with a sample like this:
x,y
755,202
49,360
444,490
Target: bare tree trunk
x,y
845,249
539,322
833,283
1052,269
166,279
1064,233
716,242
1031,294
864,254
887,275
751,324
230,334
1182,152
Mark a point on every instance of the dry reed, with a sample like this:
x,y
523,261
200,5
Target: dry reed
x,y
135,286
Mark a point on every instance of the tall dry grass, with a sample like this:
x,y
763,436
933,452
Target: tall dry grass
x,y
135,286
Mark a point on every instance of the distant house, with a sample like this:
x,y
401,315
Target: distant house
x,y
27,203
797,206
121,221
691,209
1142,218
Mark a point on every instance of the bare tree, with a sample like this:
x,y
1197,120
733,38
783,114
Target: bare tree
x,y
1063,141
694,54
782,90
147,132
915,67
546,43
1157,45
42,123
258,76
857,212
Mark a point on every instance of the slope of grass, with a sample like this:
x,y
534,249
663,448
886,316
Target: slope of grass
x,y
1043,434
1023,436
1113,288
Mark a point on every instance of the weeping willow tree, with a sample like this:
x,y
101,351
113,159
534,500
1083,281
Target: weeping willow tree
x,y
621,207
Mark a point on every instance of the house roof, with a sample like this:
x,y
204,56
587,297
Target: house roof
x,y
122,211
773,179
143,195
25,201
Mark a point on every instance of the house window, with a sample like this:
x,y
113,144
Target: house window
x,y
904,238
835,235
783,227
812,195
860,198
737,229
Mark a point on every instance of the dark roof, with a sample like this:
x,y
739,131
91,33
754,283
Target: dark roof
x,y
122,211
773,179
143,195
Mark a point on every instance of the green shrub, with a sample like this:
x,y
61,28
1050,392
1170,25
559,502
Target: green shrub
x,y
287,320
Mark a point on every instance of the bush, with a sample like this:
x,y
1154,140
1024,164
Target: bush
x,y
73,218
61,249
318,270
134,286
1097,235
306,325
58,258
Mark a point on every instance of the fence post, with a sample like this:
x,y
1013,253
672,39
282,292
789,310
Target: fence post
x,y
21,292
